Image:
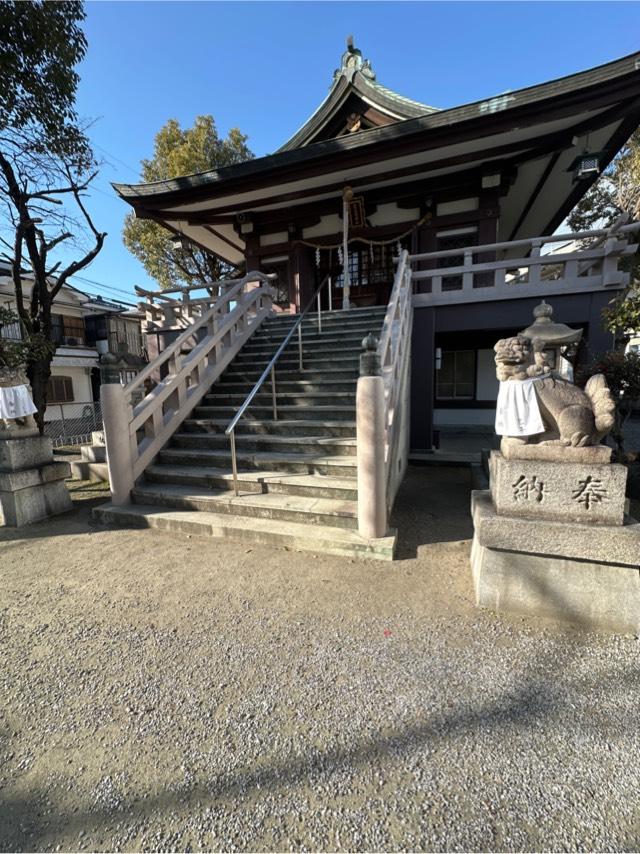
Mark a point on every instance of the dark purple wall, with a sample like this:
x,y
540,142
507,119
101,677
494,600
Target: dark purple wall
x,y
472,321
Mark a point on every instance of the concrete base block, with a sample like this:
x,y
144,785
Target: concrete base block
x,y
593,591
83,470
94,453
30,452
33,494
592,493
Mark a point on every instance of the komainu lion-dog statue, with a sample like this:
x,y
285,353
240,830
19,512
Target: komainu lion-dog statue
x,y
572,417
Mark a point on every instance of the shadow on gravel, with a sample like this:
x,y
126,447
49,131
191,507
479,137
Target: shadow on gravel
x,y
432,507
22,817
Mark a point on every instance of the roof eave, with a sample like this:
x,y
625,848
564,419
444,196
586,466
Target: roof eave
x,y
142,194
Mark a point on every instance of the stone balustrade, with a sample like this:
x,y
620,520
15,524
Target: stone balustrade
x,y
140,417
582,261
382,409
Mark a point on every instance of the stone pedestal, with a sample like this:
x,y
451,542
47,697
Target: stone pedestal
x,y
573,572
32,485
551,539
583,492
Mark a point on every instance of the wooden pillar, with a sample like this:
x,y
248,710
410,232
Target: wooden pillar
x,y
425,239
252,251
302,276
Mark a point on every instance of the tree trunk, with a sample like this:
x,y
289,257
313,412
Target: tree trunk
x,y
39,372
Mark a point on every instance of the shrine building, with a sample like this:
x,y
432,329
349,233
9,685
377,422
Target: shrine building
x,y
438,183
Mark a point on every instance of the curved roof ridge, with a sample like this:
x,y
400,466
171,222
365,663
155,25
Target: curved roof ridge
x,y
356,74
390,93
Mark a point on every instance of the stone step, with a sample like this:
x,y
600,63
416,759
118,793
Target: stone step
x,y
326,445
310,510
264,397
258,412
85,470
338,316
235,371
270,427
309,341
267,351
314,337
228,384
309,463
260,482
329,318
290,360
243,529
93,453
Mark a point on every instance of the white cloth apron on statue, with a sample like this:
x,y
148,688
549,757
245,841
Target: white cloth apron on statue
x,y
517,410
15,402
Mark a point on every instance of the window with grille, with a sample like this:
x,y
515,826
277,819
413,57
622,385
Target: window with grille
x,y
67,329
372,265
456,378
60,390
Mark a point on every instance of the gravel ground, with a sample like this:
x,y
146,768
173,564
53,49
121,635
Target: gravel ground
x,y
181,694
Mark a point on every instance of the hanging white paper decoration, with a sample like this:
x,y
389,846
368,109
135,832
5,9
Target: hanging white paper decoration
x,y
317,256
340,257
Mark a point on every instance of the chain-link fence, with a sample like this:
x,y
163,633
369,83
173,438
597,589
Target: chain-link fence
x,y
72,423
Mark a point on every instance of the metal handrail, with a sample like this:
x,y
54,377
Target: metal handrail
x,y
270,369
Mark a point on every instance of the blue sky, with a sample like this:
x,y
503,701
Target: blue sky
x,y
264,67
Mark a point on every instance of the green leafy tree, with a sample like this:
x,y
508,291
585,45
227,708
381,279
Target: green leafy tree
x,y
622,316
41,45
177,152
616,193
622,372
46,166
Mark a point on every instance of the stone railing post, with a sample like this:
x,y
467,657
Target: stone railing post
x,y
370,434
116,418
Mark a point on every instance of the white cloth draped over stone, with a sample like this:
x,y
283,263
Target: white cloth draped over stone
x,y
15,402
517,410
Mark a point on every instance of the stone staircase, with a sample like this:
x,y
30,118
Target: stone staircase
x,y
297,474
92,464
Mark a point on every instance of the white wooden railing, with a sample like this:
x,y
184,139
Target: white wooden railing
x,y
520,269
382,411
140,418
164,311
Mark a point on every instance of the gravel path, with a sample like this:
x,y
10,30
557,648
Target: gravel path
x,y
170,694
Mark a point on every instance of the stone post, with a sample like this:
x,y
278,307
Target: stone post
x,y
116,415
370,434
